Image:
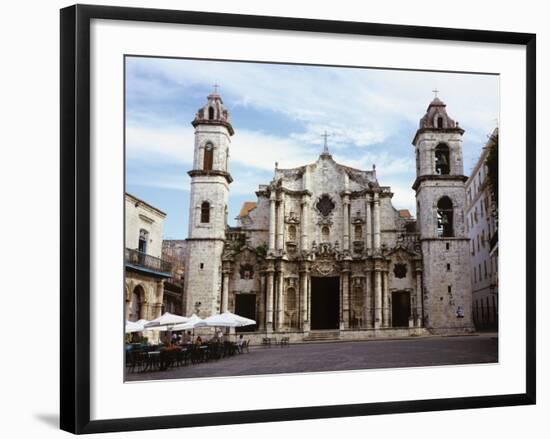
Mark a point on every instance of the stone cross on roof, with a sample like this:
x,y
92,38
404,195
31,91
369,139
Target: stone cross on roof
x,y
435,92
325,147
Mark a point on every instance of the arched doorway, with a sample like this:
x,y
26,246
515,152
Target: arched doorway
x,y
134,308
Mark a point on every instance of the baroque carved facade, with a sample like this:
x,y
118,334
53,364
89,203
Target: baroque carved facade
x,y
323,248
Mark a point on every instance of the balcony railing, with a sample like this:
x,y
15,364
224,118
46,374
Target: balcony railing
x,y
143,260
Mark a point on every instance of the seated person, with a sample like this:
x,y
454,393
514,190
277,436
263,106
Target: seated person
x,y
240,343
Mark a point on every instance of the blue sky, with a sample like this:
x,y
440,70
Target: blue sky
x,y
279,113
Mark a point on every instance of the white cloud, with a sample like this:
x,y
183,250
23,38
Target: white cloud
x,y
361,109
360,106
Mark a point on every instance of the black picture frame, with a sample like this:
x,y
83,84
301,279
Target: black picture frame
x,y
75,217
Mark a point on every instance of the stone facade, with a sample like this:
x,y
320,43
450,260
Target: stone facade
x,y
481,226
323,248
145,271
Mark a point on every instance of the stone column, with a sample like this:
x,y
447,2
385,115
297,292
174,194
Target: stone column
x,y
385,301
280,301
308,299
304,323
346,204
368,317
304,221
272,201
144,311
159,299
269,302
345,298
261,310
377,298
419,313
376,221
225,291
281,222
369,223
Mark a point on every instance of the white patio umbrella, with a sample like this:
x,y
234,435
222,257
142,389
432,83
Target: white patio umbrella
x,y
165,321
194,322
142,322
132,327
229,320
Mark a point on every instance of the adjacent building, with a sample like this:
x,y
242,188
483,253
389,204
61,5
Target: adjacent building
x,y
145,270
481,224
323,249
173,251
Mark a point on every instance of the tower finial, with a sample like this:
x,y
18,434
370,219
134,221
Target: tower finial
x,y
216,86
435,91
325,147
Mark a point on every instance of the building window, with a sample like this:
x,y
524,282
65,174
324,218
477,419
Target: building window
x,y
442,159
439,122
448,267
205,212
211,113
445,217
400,270
485,268
447,246
325,205
143,239
208,157
449,288
358,232
201,265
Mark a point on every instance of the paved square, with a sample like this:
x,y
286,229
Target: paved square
x,y
318,357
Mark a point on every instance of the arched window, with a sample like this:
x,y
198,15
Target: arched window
x,y
211,113
442,164
205,212
358,231
208,157
439,122
325,233
445,217
292,233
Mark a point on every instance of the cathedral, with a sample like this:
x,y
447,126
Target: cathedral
x,y
323,253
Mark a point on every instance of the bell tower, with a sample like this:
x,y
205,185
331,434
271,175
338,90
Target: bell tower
x,y
440,202
208,199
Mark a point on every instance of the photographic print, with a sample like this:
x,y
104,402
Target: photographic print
x,y
287,218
